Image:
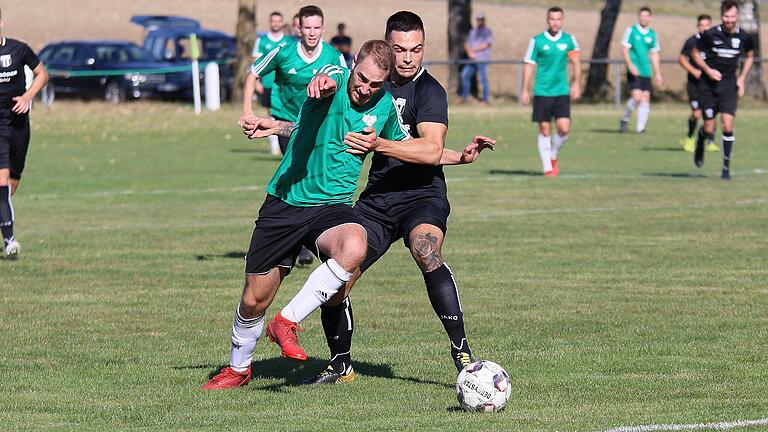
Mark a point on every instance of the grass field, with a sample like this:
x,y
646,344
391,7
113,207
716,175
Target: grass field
x,y
628,291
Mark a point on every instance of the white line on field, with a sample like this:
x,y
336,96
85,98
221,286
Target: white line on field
x,y
691,426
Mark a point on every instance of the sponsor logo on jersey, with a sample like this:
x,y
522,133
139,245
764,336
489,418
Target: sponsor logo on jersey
x,y
562,46
718,42
735,42
5,60
292,71
369,120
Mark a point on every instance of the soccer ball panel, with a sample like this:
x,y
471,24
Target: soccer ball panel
x,y
483,386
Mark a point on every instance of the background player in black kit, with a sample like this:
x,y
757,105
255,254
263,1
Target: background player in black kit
x,y
15,103
720,88
703,23
407,199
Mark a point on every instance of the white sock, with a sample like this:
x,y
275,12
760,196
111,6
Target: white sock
x,y
545,144
245,335
321,285
557,143
629,109
274,144
643,111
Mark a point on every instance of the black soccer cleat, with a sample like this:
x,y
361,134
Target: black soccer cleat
x,y
330,376
623,126
462,357
698,153
726,175
305,257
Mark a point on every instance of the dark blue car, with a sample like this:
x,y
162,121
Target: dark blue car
x,y
111,70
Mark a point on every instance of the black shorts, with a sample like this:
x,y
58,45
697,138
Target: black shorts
x,y
547,107
14,143
635,82
283,141
718,97
388,217
265,99
282,229
693,94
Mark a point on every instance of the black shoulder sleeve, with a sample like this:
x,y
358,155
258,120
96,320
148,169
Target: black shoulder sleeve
x,y
688,46
29,57
432,103
749,44
704,41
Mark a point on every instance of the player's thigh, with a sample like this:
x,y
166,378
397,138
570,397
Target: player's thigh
x,y
543,112
636,94
336,233
5,176
380,231
562,113
645,96
277,236
5,154
19,145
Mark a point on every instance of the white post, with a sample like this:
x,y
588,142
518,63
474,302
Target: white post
x,y
196,85
212,88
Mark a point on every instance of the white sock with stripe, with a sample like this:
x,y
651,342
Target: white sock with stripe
x,y
321,285
545,152
245,336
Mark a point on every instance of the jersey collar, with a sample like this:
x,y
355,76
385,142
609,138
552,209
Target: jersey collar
x,y
277,39
2,43
554,38
641,29
719,28
316,56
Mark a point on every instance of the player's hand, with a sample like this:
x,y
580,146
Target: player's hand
x,y
361,143
259,87
576,91
22,105
697,73
472,151
659,80
321,87
633,70
740,85
525,98
715,74
260,127
244,118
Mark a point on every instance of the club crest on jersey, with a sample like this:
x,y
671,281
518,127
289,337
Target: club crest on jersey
x,y
648,39
545,48
5,60
562,46
735,42
369,120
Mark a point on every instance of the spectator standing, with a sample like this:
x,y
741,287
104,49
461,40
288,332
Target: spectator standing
x,y
343,43
478,49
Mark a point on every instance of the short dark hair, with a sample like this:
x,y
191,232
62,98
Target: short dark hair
x,y
404,21
275,13
382,52
555,9
704,17
308,11
645,9
727,5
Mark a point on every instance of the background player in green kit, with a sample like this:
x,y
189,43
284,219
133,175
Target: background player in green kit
x,y
309,202
549,53
293,66
641,54
274,38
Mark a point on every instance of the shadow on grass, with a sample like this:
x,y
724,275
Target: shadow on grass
x,y
516,172
669,149
233,254
294,372
675,175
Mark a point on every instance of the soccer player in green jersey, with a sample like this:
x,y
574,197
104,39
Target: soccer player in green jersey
x,y
274,38
309,201
549,53
641,54
293,66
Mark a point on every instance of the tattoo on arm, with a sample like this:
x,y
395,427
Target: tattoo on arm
x,y
285,128
426,252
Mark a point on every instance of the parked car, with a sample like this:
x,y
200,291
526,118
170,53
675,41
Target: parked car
x,y
168,40
111,70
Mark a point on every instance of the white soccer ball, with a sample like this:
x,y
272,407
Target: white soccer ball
x,y
483,386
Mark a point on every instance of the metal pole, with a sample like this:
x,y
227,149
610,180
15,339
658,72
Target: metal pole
x,y
617,84
519,73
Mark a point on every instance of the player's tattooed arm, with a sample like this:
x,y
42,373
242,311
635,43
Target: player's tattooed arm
x,y
285,128
260,127
426,251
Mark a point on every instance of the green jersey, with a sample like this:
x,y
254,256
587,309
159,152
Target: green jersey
x,y
641,43
550,55
293,72
264,44
316,169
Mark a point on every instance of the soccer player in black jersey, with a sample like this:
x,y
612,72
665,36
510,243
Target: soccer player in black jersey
x,y
405,199
718,54
15,102
694,73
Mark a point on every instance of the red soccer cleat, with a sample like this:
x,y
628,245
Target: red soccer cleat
x,y
552,173
227,378
283,332
554,167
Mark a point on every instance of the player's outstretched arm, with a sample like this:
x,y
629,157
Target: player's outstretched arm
x,y
321,86
248,89
24,102
470,153
260,127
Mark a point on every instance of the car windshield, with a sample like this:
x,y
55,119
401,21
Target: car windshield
x,y
121,54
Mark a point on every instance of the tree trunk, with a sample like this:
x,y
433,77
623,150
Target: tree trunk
x,y
459,24
598,87
246,36
749,21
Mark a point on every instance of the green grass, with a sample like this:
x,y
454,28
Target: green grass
x,y
626,291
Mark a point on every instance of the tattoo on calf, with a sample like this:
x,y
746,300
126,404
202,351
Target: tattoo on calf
x,y
426,252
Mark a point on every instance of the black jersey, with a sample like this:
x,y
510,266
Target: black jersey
x,y
14,55
723,51
687,51
420,100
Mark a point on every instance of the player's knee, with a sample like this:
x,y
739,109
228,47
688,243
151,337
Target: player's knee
x,y
427,253
253,302
352,251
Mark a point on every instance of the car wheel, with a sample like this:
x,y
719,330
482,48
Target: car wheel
x,y
47,95
113,93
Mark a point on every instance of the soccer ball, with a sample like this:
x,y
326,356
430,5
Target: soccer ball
x,y
483,386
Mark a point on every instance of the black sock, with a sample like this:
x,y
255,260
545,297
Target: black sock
x,y
6,214
444,296
338,325
728,141
691,126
